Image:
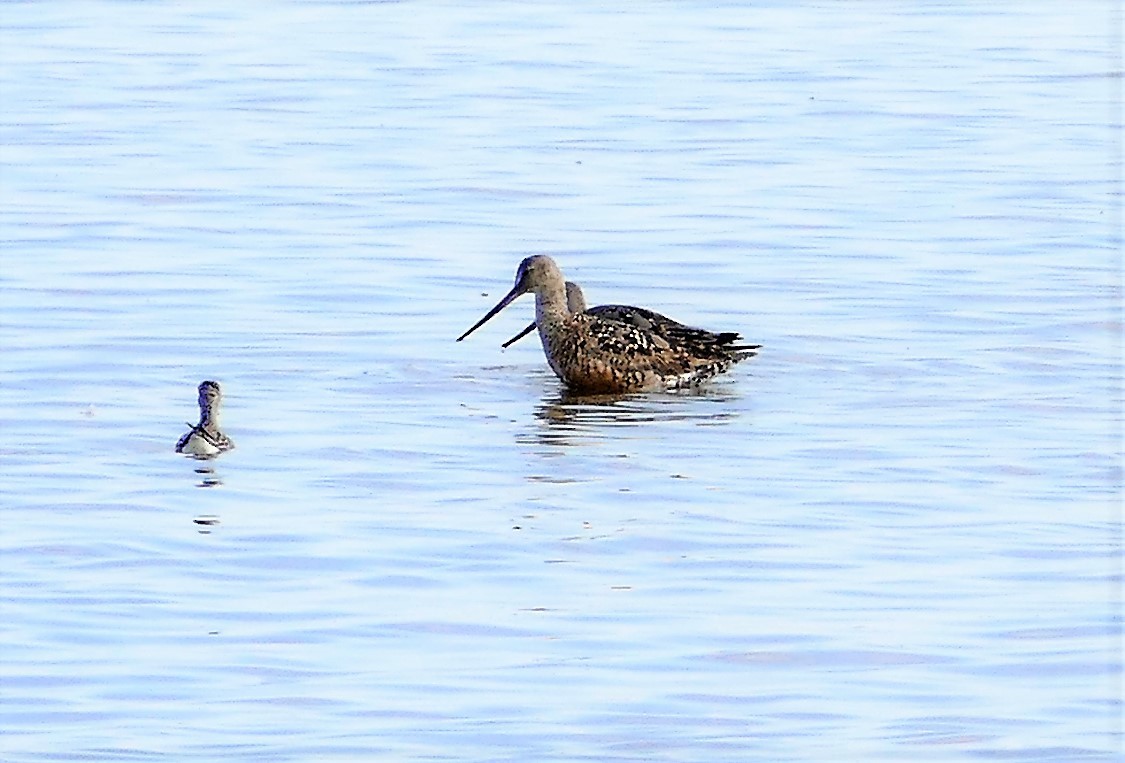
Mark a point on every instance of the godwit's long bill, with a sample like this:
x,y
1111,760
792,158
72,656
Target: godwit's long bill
x,y
604,354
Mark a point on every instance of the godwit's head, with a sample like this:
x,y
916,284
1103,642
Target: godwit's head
x,y
535,274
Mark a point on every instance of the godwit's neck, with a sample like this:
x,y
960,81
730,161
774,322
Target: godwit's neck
x,y
550,304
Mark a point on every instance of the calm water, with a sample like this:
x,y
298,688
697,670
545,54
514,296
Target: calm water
x,y
896,535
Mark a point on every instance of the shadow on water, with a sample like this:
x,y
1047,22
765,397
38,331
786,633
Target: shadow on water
x,y
567,418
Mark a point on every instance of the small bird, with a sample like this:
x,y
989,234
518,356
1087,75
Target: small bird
x,y
647,320
596,354
205,438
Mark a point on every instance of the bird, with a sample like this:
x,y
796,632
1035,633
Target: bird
x,y
642,318
594,354
205,438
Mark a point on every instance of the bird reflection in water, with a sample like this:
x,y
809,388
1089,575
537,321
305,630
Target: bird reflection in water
x,y
570,418
207,475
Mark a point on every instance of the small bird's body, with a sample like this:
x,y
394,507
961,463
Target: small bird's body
x,y
205,438
621,350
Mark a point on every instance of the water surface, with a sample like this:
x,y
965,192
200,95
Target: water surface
x,y
894,535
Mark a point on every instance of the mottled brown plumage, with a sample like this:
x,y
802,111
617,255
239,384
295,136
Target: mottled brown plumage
x,y
598,354
719,344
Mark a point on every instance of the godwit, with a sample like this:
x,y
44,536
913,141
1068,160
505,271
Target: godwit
x,y
647,320
597,354
204,438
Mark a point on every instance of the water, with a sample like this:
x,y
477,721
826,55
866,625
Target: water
x,y
894,535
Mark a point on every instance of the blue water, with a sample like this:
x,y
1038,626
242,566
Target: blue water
x,y
895,535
